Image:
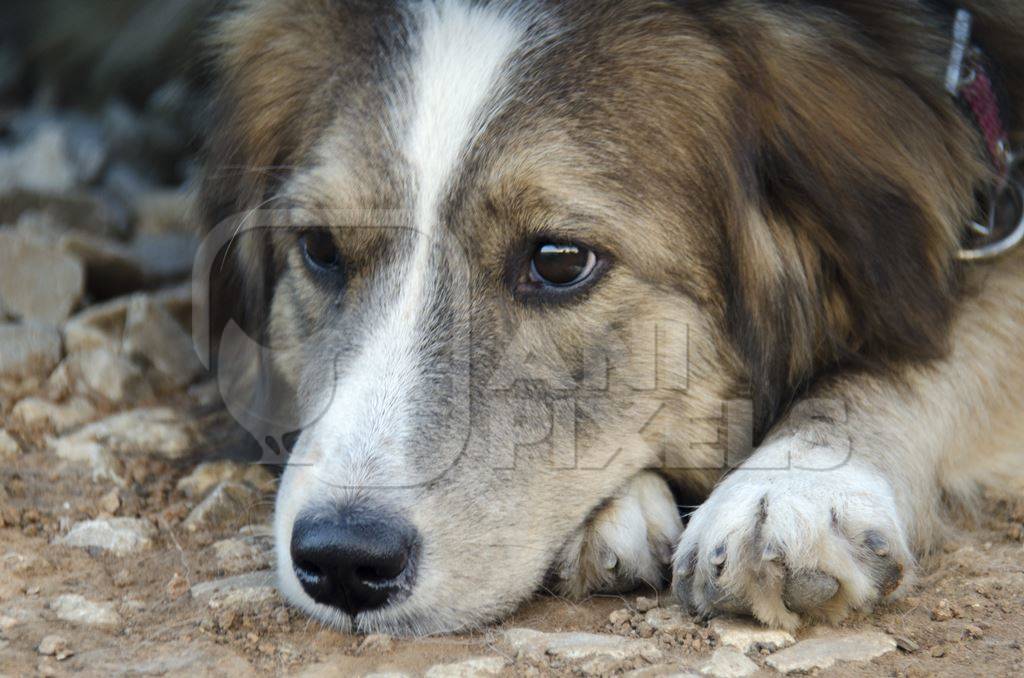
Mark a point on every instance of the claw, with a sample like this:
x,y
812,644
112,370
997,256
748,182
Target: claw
x,y
806,590
877,544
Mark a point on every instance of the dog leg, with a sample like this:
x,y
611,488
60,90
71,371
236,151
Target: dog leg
x,y
628,542
823,519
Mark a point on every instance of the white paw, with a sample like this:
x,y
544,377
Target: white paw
x,y
787,545
627,543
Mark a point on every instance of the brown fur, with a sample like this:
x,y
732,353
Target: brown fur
x,y
792,175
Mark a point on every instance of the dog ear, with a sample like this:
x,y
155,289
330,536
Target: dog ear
x,y
271,64
857,177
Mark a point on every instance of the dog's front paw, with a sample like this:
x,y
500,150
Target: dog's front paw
x,y
628,542
789,545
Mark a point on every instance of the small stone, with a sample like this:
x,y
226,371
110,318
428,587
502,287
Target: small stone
x,y
477,667
670,619
239,555
661,671
938,651
376,643
38,414
152,333
7,623
36,282
10,449
973,632
240,593
120,536
226,620
27,350
177,587
728,662
579,646
104,373
76,609
746,636
646,604
54,646
209,474
98,326
906,644
110,502
619,617
228,503
822,653
158,431
943,611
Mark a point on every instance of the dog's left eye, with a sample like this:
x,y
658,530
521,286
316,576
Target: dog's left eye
x,y
562,265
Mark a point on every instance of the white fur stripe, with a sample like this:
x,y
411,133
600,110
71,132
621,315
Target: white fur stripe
x,y
454,79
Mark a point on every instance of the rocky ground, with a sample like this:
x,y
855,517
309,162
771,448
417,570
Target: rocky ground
x,y
132,540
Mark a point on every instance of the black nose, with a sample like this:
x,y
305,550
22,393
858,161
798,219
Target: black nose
x,y
355,559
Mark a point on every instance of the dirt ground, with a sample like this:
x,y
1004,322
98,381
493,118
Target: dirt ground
x,y
966,616
125,550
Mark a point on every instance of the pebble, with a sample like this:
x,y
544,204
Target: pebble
x,y
943,611
177,587
746,636
661,671
54,646
376,643
120,536
36,282
822,653
974,632
670,619
110,502
228,503
9,447
42,163
619,617
154,334
240,555
159,431
76,609
580,646
239,593
98,326
103,373
728,662
477,667
28,350
646,604
37,413
209,474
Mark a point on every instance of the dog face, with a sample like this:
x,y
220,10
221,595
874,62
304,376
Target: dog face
x,y
533,249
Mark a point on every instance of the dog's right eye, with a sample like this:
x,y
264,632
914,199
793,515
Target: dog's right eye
x,y
320,251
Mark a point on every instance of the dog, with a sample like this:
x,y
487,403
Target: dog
x,y
543,276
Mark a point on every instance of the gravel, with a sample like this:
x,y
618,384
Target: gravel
x,y
119,536
27,350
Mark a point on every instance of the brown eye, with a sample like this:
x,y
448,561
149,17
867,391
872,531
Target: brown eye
x,y
320,250
562,265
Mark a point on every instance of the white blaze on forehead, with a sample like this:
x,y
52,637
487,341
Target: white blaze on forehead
x,y
452,88
455,76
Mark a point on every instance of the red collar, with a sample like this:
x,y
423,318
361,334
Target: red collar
x,y
970,79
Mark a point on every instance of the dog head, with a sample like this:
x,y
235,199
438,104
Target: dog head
x,y
523,251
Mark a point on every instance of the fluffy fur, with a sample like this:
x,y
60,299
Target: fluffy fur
x,y
785,181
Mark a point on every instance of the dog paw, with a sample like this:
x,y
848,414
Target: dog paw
x,y
793,545
627,543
